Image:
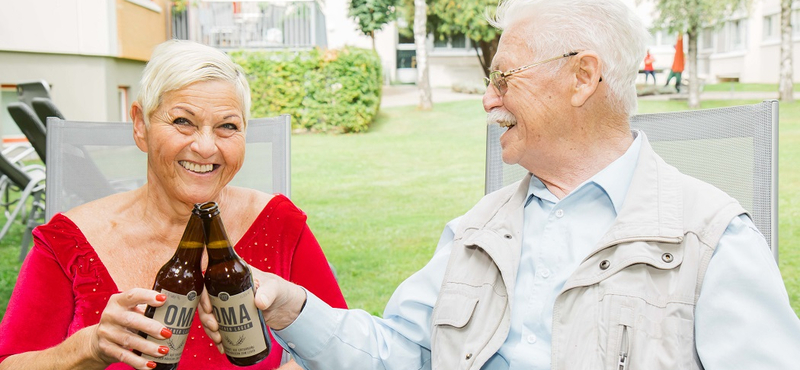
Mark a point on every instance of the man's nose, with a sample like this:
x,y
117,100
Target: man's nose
x,y
491,99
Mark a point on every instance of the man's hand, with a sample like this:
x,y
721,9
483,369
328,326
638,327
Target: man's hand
x,y
280,303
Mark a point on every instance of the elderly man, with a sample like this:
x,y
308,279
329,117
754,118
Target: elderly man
x,y
603,257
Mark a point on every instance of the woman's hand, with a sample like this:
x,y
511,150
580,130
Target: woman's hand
x,y
117,333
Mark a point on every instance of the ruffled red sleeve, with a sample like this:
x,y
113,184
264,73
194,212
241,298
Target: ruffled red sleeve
x,y
62,287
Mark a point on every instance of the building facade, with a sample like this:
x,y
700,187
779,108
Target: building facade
x,y
90,52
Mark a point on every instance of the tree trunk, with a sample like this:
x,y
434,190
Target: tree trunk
x,y
372,35
694,80
488,49
786,85
420,36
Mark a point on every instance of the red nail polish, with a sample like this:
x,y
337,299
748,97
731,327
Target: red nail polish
x,y
163,350
161,297
166,333
151,364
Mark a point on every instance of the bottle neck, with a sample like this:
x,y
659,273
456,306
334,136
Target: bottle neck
x,y
190,248
217,243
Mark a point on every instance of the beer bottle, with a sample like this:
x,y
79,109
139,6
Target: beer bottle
x,y
181,280
232,292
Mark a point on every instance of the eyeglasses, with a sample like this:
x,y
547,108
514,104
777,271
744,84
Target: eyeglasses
x,y
498,78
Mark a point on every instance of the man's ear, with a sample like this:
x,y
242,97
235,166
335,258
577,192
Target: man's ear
x,y
139,127
587,77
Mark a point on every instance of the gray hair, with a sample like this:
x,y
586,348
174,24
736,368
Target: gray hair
x,y
608,27
176,64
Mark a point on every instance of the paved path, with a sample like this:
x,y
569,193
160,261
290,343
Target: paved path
x,y
400,95
404,95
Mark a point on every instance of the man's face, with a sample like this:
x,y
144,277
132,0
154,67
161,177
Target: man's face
x,y
534,100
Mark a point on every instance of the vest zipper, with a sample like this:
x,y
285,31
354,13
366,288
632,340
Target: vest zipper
x,y
623,349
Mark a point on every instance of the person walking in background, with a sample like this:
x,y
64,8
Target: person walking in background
x,y
677,65
648,67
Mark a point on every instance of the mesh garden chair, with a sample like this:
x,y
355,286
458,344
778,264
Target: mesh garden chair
x,y
733,148
29,182
30,125
44,107
89,160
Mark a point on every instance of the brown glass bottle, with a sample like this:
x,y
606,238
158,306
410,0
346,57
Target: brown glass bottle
x,y
232,292
181,279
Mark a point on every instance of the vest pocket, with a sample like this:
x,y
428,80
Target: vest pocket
x,y
454,310
454,344
641,336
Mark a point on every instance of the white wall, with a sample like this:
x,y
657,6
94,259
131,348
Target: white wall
x,y
58,26
342,31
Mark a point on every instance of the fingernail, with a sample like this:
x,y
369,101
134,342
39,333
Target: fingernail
x,y
161,297
166,333
220,348
151,364
163,350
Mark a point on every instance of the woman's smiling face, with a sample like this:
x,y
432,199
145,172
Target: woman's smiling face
x,y
195,141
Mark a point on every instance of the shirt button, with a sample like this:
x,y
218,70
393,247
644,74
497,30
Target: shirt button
x,y
291,345
559,213
544,273
531,339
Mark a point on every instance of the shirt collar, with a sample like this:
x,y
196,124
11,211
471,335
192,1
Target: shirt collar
x,y
614,179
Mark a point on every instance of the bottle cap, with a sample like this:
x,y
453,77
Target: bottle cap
x,y
207,209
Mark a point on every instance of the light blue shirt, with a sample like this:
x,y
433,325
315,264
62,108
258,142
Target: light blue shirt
x,y
743,319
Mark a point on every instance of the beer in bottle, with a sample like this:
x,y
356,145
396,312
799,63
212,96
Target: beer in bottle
x,y
232,292
181,280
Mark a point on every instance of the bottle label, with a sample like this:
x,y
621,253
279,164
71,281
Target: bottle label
x,y
239,324
176,314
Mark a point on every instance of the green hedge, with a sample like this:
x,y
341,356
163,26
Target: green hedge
x,y
335,90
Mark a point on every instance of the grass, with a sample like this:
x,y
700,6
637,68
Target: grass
x,y
378,201
735,86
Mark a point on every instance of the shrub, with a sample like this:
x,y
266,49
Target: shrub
x,y
323,90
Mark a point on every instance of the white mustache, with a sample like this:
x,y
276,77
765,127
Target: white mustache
x,y
501,117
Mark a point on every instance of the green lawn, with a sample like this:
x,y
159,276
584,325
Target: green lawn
x,y
378,201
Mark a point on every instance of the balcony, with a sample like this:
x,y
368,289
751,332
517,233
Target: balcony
x,y
229,25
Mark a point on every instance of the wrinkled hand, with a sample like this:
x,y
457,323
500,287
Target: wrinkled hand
x,y
122,319
279,301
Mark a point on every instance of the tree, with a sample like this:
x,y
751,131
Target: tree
x,y
786,85
420,37
372,15
689,17
468,17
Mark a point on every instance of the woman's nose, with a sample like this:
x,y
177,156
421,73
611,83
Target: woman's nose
x,y
204,144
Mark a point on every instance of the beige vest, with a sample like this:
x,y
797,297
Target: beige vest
x,y
630,303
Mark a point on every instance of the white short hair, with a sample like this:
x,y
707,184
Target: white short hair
x,y
176,64
608,27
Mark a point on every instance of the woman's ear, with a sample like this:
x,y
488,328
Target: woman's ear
x,y
587,77
139,126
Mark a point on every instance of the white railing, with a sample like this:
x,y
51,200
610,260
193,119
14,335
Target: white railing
x,y
297,24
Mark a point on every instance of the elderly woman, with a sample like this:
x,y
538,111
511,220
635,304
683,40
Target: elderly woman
x,y
80,295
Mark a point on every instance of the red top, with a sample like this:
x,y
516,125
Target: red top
x,y
648,62
64,287
677,63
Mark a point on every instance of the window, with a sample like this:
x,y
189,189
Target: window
x,y
457,41
738,33
122,93
771,26
732,36
796,22
706,40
